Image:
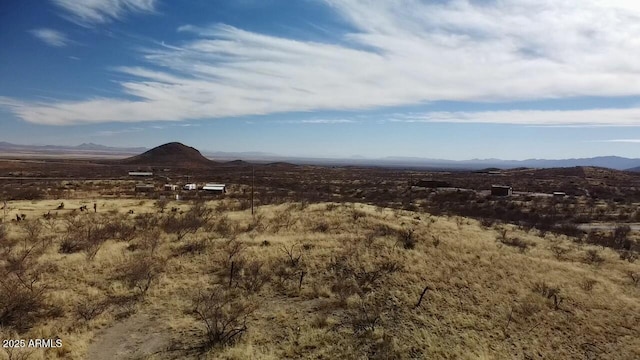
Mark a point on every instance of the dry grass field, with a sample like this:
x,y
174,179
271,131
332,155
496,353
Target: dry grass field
x,y
298,280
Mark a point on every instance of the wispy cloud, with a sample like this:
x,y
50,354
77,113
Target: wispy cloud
x,y
318,121
51,37
118,132
572,118
91,12
402,52
635,141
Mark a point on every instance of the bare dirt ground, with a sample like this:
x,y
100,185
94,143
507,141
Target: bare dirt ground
x,y
137,337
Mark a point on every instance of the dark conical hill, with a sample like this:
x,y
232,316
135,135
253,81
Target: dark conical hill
x,y
173,154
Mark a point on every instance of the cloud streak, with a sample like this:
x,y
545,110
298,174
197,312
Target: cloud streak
x,y
577,118
51,37
633,141
401,53
93,12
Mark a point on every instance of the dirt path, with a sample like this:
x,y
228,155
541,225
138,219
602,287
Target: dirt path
x,y
137,337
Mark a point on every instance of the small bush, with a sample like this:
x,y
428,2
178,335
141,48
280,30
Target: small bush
x,y
192,247
516,242
549,292
593,257
588,284
140,272
634,277
407,238
321,227
559,252
223,312
628,255
253,277
90,308
21,304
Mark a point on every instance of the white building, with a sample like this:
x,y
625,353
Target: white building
x,y
189,187
140,173
219,188
170,187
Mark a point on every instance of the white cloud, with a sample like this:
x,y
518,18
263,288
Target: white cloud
x,y
402,52
89,12
51,37
593,117
118,132
318,121
634,141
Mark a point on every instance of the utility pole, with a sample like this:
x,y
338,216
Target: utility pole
x,y
410,188
253,179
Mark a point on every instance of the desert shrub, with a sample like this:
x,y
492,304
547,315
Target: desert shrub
x,y
253,277
321,227
225,227
515,242
149,240
293,254
588,284
282,220
618,239
190,222
3,233
33,229
634,277
570,229
119,228
69,246
331,207
559,252
192,247
358,214
139,272
146,221
84,234
285,276
549,292
352,274
407,238
161,204
628,255
592,256
435,240
29,193
90,308
223,313
486,222
366,317
257,223
22,301
621,237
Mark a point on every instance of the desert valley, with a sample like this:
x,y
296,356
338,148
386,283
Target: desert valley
x,y
301,261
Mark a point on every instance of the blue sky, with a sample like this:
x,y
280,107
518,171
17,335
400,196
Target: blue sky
x,y
455,79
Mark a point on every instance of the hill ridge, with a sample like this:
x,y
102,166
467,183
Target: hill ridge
x,y
173,154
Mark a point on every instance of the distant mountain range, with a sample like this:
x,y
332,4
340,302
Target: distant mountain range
x,y
612,162
6,147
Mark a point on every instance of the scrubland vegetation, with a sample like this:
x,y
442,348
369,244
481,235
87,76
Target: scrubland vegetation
x,y
310,280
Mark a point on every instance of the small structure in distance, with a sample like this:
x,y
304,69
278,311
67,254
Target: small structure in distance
x,y
215,188
501,190
170,187
189,187
559,194
140,173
